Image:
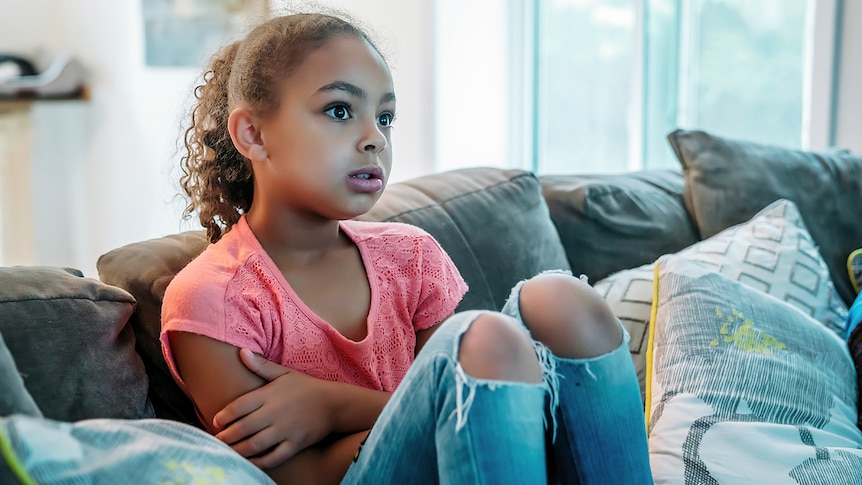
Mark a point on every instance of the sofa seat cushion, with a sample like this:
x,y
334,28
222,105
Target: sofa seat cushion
x,y
608,223
727,181
744,387
70,339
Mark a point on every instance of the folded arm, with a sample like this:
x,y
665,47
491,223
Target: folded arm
x,y
279,423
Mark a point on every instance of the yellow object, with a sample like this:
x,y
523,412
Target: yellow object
x,y
12,460
649,351
854,279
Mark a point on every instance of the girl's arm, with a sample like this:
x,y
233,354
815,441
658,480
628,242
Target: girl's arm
x,y
422,336
216,376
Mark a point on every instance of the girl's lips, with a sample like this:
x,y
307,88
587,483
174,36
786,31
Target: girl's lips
x,y
366,180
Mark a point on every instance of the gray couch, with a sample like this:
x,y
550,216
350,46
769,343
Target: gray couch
x,y
88,348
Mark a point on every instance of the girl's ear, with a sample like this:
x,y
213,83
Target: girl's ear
x,y
245,135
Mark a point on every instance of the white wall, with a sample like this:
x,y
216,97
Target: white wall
x,y
119,185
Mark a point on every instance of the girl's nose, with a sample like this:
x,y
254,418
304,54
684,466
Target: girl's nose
x,y
374,141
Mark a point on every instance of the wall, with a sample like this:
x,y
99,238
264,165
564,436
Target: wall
x,y
116,183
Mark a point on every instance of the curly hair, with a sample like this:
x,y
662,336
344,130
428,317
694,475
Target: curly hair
x,y
216,177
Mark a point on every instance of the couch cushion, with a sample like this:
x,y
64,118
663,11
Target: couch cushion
x,y
727,181
70,340
493,223
773,253
612,222
144,269
14,398
745,388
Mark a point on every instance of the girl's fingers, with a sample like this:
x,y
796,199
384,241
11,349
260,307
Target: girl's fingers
x,y
238,408
278,455
244,428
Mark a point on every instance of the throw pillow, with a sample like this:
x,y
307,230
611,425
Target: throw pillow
x,y
772,252
620,221
144,269
727,181
118,451
745,388
14,398
69,338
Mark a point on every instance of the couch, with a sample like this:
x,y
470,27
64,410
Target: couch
x,y
770,227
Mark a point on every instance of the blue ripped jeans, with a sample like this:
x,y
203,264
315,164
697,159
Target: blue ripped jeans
x,y
444,426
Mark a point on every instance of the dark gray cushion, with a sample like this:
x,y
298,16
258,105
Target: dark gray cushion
x,y
728,181
144,269
493,223
69,338
608,223
14,398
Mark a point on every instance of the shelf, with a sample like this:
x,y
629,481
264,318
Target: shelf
x,y
8,105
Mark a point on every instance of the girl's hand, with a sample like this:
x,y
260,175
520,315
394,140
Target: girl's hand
x,y
271,424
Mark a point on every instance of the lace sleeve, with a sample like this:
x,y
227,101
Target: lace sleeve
x,y
442,286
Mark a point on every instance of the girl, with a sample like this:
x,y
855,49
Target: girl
x,y
293,333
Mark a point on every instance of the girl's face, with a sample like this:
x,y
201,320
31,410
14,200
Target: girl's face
x,y
328,146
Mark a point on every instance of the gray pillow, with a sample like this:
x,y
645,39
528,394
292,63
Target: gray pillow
x,y
493,223
70,340
144,269
728,181
14,398
608,223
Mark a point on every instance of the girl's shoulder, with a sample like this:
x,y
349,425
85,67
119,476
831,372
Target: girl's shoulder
x,y
359,230
392,238
216,266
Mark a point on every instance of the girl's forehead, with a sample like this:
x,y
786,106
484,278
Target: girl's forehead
x,y
345,58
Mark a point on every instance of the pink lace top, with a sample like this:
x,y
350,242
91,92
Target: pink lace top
x,y
234,293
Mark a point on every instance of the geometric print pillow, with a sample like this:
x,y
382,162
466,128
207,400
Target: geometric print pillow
x,y
773,252
745,388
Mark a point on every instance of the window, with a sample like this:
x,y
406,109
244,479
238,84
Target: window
x,y
596,85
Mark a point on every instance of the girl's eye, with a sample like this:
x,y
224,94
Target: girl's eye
x,y
386,119
339,112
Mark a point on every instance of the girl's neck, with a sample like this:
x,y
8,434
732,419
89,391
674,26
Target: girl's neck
x,y
290,237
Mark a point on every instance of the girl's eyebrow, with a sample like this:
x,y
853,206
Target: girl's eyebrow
x,y
354,90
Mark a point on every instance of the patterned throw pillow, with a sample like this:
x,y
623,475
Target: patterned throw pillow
x,y
745,388
728,180
772,252
156,451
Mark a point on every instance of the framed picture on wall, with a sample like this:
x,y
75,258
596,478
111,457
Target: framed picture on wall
x,y
185,33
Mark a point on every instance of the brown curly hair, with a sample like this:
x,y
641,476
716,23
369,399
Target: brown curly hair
x,y
216,177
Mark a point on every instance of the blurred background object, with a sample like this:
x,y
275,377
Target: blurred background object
x,y
63,77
